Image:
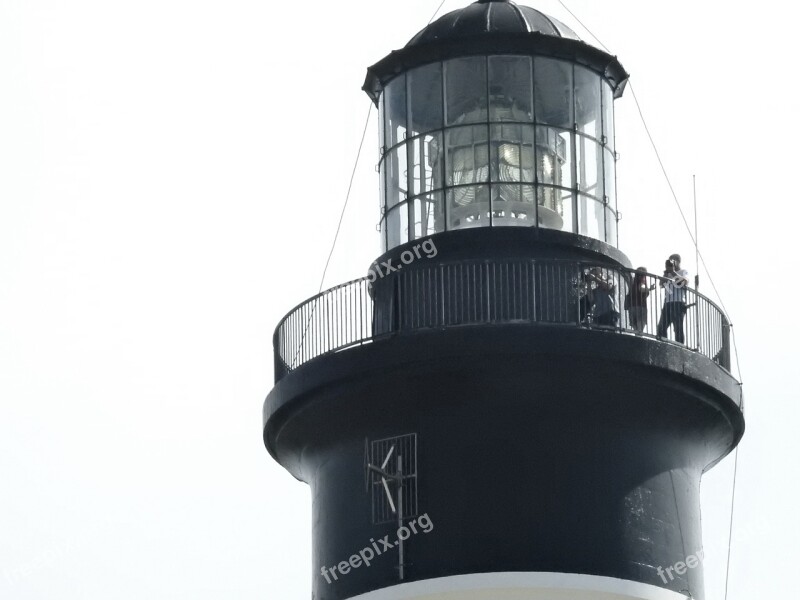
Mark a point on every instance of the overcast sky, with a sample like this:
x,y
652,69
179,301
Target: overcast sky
x,y
171,173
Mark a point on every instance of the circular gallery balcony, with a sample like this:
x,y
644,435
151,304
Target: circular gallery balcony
x,y
530,299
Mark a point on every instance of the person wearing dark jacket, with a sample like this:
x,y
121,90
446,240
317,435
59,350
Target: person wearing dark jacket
x,y
604,298
636,300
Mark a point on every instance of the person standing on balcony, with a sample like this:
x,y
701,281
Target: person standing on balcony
x,y
674,284
604,311
636,299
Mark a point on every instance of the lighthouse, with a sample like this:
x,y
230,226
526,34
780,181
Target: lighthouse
x,y
498,408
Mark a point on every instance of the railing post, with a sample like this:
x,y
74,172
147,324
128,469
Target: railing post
x,y
698,314
280,365
725,352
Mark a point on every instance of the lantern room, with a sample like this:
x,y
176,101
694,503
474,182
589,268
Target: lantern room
x,y
496,115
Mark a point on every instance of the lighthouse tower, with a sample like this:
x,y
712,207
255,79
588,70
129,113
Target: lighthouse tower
x,y
502,408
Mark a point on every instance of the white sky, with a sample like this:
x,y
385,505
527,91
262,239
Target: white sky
x,y
171,174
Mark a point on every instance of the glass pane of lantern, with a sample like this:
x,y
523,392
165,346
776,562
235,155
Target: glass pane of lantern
x,y
555,208
395,164
610,178
505,192
394,118
507,150
528,155
468,206
552,92
397,225
465,85
528,195
402,168
467,155
568,211
382,175
382,125
591,218
608,115
384,241
510,88
587,102
425,98
393,228
553,156
428,215
425,162
589,156
565,149
611,226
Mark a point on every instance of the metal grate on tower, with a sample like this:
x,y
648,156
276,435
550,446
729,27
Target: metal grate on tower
x,y
392,477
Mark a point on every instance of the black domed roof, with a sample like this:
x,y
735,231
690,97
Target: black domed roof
x,y
491,17
492,27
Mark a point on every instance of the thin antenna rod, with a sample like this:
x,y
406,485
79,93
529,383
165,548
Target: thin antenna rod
x,y
696,245
697,263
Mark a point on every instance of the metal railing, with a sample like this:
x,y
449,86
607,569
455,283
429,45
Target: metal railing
x,y
507,291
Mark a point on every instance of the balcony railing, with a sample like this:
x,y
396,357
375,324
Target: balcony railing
x,y
557,292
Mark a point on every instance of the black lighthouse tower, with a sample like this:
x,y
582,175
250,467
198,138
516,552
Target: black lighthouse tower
x,y
494,412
